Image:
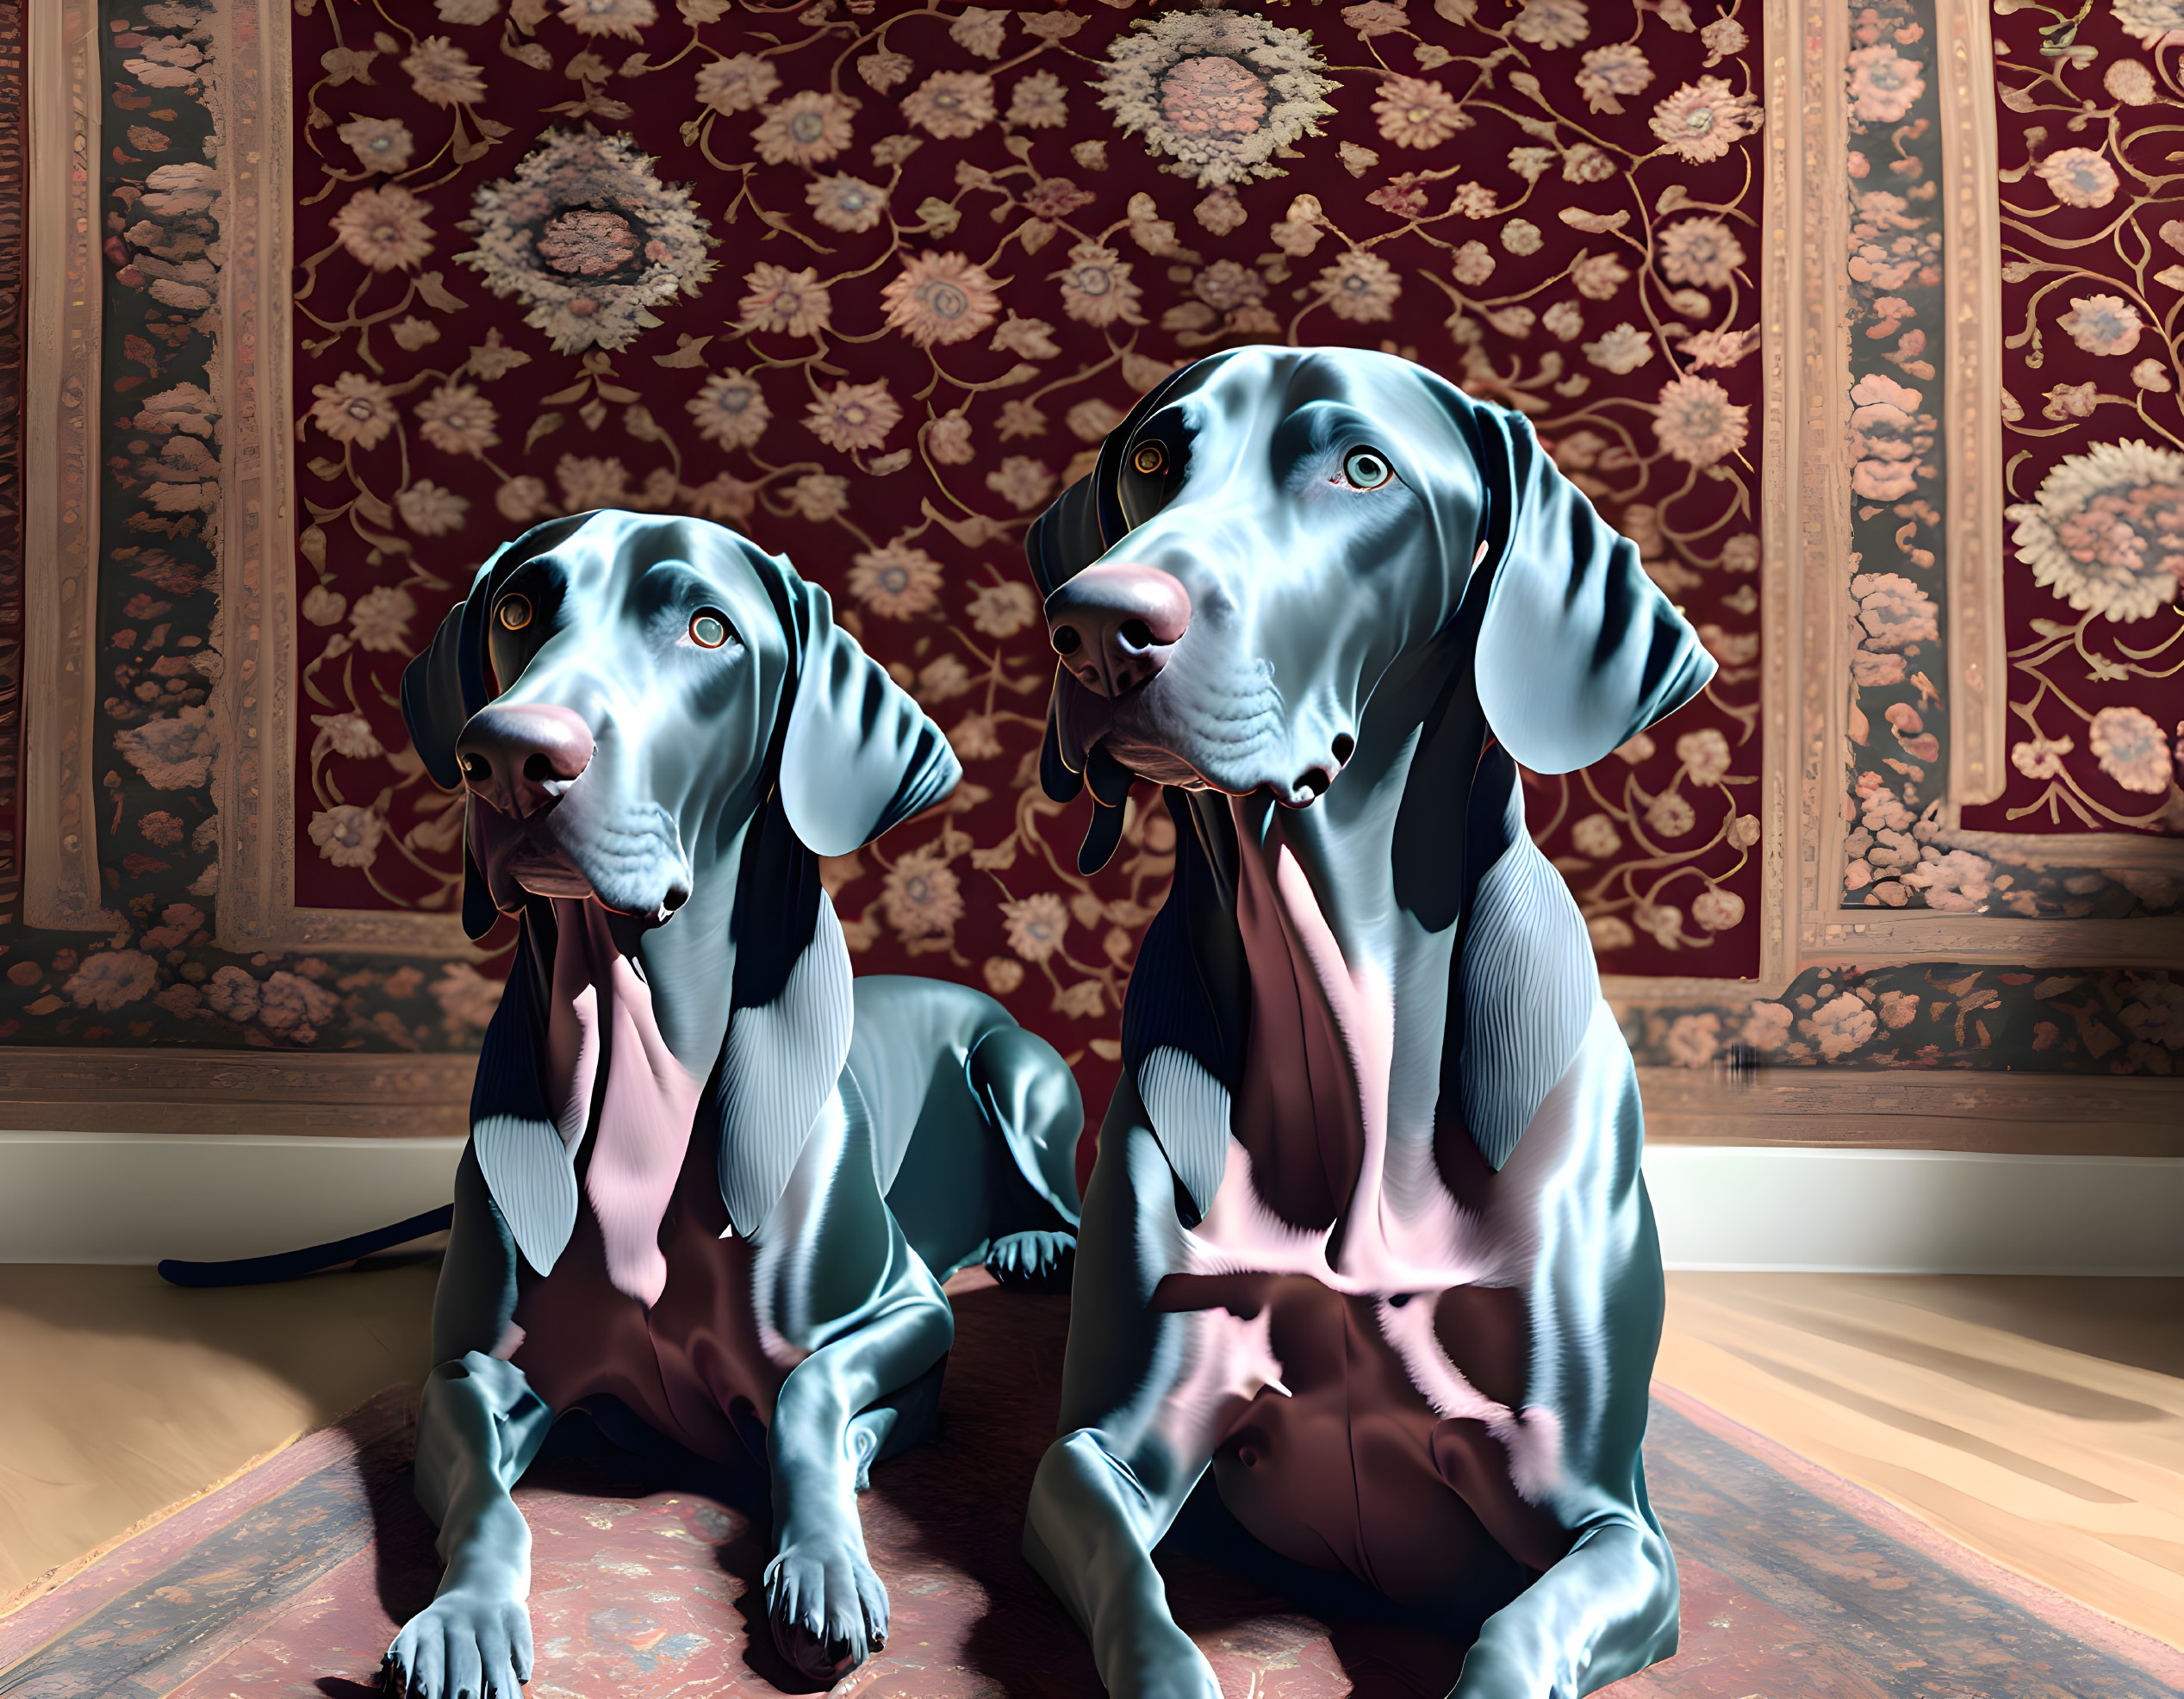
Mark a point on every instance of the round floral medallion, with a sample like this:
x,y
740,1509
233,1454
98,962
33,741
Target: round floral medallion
x,y
1220,93
586,236
2105,532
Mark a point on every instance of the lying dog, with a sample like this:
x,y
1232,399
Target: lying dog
x,y
1366,1237
695,1183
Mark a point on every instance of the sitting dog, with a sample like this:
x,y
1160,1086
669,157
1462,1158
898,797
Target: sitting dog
x,y
1366,1239
706,1178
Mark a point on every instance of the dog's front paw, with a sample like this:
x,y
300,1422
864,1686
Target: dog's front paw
x,y
1161,1662
828,1610
1033,1261
464,1645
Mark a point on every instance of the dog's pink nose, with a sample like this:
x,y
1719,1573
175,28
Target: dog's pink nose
x,y
521,757
1114,623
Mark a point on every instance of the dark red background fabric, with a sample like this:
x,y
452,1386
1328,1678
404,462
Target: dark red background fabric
x,y
1584,233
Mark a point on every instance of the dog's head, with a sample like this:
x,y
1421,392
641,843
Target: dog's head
x,y
1272,530
620,691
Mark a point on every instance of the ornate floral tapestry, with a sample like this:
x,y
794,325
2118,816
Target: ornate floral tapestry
x,y
2093,280
349,294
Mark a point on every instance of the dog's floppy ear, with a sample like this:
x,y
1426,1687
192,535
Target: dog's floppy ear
x,y
448,683
859,755
1578,649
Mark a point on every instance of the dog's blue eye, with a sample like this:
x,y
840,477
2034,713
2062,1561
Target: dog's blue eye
x,y
708,630
1365,468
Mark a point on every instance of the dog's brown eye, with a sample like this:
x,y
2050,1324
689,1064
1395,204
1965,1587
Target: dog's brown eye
x,y
515,612
1365,468
708,630
1149,458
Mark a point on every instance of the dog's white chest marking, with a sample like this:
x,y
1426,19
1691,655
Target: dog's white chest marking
x,y
1402,1243
603,1017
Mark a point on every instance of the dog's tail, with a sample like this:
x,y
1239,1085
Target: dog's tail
x,y
254,1271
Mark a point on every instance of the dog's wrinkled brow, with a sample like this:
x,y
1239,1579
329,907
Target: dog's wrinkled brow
x,y
1315,426
670,583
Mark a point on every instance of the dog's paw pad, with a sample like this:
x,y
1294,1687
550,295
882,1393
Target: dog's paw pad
x,y
827,1608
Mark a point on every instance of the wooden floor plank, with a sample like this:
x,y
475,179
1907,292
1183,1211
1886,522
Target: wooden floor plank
x,y
2041,1421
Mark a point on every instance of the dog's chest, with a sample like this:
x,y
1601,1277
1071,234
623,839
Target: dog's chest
x,y
687,1364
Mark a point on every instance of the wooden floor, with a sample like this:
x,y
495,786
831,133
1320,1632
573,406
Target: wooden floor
x,y
2039,1420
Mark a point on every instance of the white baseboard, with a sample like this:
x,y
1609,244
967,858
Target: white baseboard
x,y
135,1198
1916,1212
205,1197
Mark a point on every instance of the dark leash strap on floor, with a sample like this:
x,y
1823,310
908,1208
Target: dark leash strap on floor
x,y
252,1271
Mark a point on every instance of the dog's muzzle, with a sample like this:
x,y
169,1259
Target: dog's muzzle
x,y
1114,623
518,759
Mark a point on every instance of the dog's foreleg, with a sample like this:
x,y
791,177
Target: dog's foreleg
x,y
1606,1610
828,1607
478,1428
1131,1448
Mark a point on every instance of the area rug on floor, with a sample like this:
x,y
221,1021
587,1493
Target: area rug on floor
x,y
290,1580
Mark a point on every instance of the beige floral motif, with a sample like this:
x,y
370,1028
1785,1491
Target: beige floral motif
x,y
624,18
1702,121
348,835
941,298
2041,757
1705,755
430,510
1096,287
1023,482
1611,71
1717,910
112,978
1696,422
1360,287
1595,836
1036,925
2131,749
353,409
1417,112
1475,264
380,144
897,582
2079,176
1669,815
2156,23
981,30
790,304
1884,85
951,104
1839,1025
1039,102
818,497
741,83
348,734
947,439
1552,24
923,898
441,73
380,620
806,130
457,419
2102,324
846,203
1701,251
1003,610
590,480
519,500
1002,974
2130,82
1522,236
730,410
1622,349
